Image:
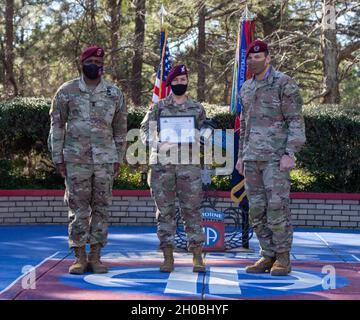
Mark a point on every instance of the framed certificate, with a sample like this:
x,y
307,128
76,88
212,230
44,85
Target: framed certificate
x,y
177,129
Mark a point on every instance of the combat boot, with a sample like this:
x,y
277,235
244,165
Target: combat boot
x,y
168,264
94,263
198,262
282,265
263,265
80,264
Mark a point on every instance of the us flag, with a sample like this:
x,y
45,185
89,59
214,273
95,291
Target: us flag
x,y
161,91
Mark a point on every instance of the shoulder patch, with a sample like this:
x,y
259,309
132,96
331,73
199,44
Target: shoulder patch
x,y
112,91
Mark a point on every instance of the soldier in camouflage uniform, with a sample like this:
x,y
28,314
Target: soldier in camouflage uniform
x,y
168,180
271,131
87,142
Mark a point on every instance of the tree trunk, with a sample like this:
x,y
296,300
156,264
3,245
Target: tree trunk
x,y
226,90
9,51
137,62
3,73
115,16
22,83
93,28
330,53
201,53
273,18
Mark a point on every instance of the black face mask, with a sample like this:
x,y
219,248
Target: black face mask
x,y
178,89
92,71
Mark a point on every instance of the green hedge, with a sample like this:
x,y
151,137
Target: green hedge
x,y
24,126
331,156
329,162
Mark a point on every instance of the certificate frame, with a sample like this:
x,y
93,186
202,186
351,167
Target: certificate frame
x,y
178,129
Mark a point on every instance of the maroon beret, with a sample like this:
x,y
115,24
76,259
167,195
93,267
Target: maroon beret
x,y
93,51
257,46
176,71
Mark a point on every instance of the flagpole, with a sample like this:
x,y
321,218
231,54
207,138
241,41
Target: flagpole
x,y
162,13
238,191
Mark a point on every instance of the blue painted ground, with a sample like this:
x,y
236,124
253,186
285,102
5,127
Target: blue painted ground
x,y
22,246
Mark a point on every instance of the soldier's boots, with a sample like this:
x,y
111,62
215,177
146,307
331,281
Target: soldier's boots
x,y
282,265
94,263
168,264
263,265
80,264
198,262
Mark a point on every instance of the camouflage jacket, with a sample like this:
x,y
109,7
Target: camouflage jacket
x,y
88,126
271,120
167,107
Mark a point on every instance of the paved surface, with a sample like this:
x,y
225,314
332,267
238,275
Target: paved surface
x,y
34,261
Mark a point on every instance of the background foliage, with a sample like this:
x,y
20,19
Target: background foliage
x,y
329,161
41,40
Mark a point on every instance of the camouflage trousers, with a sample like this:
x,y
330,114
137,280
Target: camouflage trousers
x,y
184,181
88,194
268,191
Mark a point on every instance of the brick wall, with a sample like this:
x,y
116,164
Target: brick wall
x,y
329,213
137,208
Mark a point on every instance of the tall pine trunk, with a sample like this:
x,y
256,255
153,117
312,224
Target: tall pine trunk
x,y
330,53
137,62
22,52
9,51
201,85
93,28
3,72
114,7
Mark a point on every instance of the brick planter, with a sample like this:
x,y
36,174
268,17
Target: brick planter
x,y
136,207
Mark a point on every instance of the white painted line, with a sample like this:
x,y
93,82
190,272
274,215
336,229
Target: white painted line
x,y
23,275
224,280
321,238
182,280
355,257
